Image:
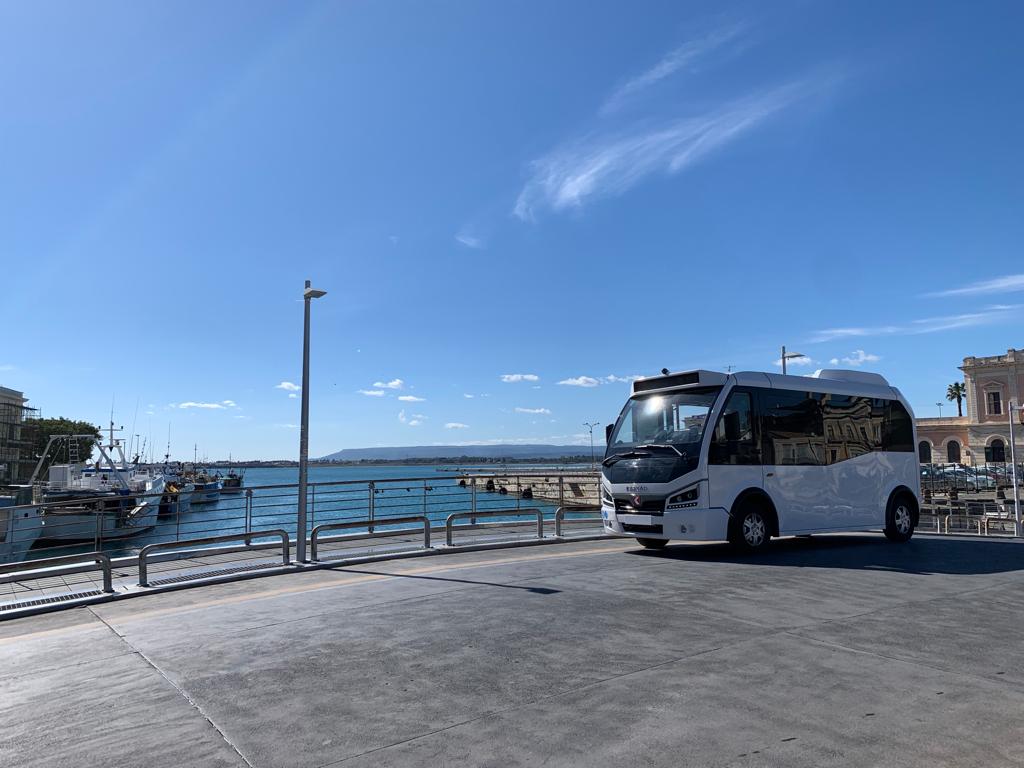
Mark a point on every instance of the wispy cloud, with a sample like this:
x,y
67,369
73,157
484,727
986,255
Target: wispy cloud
x,y
856,359
469,396
287,426
292,396
469,239
512,378
393,384
799,361
605,165
412,420
371,392
993,314
543,411
613,379
206,406
1005,284
684,57
411,399
288,386
580,381
456,425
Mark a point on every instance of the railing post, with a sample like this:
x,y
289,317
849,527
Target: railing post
x,y
561,490
371,504
248,510
519,492
312,507
472,501
426,533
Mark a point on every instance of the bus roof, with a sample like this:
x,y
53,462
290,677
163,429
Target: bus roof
x,y
825,380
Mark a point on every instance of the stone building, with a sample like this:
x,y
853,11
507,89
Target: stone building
x,y
16,459
982,434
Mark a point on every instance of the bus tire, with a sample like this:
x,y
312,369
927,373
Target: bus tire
x,y
652,543
750,529
899,518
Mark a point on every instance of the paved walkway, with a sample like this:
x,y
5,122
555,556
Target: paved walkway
x,y
842,650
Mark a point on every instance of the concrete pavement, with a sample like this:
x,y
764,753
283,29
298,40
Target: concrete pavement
x,y
843,650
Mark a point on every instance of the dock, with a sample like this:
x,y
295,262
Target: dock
x,y
835,650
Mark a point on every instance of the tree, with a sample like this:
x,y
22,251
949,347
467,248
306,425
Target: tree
x,y
42,429
957,391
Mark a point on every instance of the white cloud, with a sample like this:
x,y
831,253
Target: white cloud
x,y
292,396
287,426
468,396
798,361
411,399
986,316
371,392
613,379
856,359
1005,284
608,164
544,411
393,384
228,403
412,420
512,378
580,381
682,57
288,386
456,425
208,406
468,239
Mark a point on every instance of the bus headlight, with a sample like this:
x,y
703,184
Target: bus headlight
x,y
687,498
606,497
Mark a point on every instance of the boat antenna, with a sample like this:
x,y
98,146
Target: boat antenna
x,y
135,418
167,456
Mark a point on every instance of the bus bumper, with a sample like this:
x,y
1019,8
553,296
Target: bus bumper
x,y
683,524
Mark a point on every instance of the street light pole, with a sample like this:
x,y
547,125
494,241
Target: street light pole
x,y
300,529
591,426
940,408
790,356
1013,472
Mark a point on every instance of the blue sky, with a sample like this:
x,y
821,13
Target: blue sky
x,y
513,206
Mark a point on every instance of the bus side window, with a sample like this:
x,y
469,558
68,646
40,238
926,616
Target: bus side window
x,y
733,441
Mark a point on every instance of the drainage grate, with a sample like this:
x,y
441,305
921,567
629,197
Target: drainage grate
x,y
48,600
210,574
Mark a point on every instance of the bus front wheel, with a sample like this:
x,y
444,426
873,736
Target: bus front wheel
x,y
750,529
899,519
652,543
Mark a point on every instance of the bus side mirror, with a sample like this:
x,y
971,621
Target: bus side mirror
x,y
608,433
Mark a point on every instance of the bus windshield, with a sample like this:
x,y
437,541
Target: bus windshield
x,y
673,419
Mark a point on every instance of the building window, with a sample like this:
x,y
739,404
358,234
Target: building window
x,y
953,452
994,402
996,451
924,452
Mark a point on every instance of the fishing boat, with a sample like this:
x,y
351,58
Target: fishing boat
x,y
19,529
110,499
231,482
206,489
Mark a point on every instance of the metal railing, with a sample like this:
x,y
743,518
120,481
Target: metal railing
x,y
64,564
449,523
194,545
314,536
561,512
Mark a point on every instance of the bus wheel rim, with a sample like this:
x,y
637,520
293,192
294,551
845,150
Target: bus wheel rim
x,y
753,529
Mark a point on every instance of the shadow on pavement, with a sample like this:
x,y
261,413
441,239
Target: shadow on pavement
x,y
920,555
534,590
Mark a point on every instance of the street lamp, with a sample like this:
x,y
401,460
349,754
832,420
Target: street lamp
x,y
1017,528
590,425
940,408
790,356
300,532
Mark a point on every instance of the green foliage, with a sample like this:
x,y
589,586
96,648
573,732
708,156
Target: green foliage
x,y
957,391
42,429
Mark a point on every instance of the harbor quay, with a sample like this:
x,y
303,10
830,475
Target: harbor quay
x,y
832,650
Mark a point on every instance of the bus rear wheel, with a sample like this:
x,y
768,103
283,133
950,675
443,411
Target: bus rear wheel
x,y
750,529
652,543
899,519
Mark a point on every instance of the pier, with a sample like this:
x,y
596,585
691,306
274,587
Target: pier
x,y
840,650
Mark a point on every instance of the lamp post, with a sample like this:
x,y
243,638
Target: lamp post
x,y
590,425
940,408
1013,471
300,529
789,356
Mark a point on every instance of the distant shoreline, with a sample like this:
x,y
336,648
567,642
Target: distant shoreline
x,y
450,461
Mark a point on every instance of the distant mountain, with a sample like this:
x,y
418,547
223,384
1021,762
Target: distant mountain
x,y
453,451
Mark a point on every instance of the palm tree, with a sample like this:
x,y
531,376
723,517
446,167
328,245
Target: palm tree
x,y
958,392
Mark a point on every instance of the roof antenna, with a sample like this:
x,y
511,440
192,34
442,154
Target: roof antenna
x,y
664,371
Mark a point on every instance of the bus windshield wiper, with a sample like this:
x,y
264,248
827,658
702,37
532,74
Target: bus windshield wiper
x,y
662,445
617,457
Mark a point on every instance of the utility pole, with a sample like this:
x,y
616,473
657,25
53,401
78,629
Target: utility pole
x,y
590,425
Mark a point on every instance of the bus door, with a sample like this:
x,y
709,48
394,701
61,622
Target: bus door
x,y
734,455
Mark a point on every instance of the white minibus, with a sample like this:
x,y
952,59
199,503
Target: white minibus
x,y
743,457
